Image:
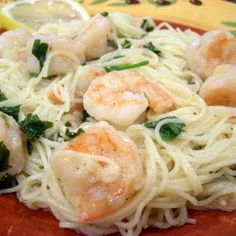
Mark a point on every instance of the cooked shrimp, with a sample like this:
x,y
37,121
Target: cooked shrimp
x,y
91,43
85,75
121,97
13,43
212,49
220,88
99,170
10,135
95,35
70,54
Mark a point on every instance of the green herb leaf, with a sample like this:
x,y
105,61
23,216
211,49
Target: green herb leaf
x,y
146,26
87,117
118,4
33,127
4,157
105,14
29,146
125,66
168,131
40,51
115,57
7,181
233,32
69,135
2,96
11,111
229,23
152,48
98,2
112,43
126,44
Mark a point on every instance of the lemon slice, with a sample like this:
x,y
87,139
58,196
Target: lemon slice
x,y
32,14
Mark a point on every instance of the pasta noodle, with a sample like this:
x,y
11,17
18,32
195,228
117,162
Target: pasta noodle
x,y
196,170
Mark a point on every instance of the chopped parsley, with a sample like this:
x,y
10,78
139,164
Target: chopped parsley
x,y
105,14
125,66
4,157
152,48
115,57
126,44
33,127
11,111
39,50
29,146
7,181
69,135
146,26
2,96
168,131
87,117
112,43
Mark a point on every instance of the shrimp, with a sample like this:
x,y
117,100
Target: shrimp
x,y
90,44
212,49
220,88
95,35
11,137
121,97
85,75
13,44
69,54
99,170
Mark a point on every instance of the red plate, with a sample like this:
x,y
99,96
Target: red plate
x,y
18,220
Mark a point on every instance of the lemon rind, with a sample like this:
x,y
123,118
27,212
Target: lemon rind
x,y
7,21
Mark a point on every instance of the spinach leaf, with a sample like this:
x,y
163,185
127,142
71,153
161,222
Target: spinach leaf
x,y
126,66
168,131
147,26
7,181
105,14
29,146
112,43
39,50
2,96
4,157
11,111
126,44
33,127
152,48
69,135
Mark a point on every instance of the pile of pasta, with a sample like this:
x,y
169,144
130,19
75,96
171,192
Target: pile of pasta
x,y
195,169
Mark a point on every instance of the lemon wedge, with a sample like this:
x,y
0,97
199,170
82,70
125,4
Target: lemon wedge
x,y
32,14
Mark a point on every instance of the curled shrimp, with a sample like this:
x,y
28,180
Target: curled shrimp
x,y
220,88
95,35
99,169
13,44
122,97
10,135
85,75
91,43
210,50
68,54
